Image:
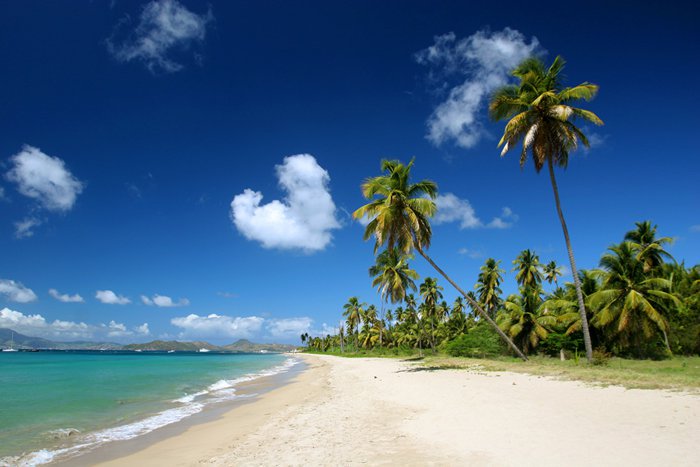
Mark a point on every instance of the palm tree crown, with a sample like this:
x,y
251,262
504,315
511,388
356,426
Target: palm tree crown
x,y
392,275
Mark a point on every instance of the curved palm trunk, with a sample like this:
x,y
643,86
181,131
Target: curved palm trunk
x,y
574,271
474,305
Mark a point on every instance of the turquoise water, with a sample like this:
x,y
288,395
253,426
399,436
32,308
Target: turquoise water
x,y
108,396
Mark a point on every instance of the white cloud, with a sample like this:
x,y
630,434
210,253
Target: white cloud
x,y
505,221
110,298
473,254
165,26
45,179
695,228
24,228
451,208
163,301
38,326
484,60
16,292
303,220
288,328
213,325
65,298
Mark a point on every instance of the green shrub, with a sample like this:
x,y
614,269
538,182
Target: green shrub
x,y
481,341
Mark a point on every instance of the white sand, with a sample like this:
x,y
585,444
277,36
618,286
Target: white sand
x,y
381,411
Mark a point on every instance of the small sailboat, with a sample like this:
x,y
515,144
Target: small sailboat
x,y
203,350
171,351
12,344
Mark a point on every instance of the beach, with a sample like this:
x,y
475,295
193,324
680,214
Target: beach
x,y
350,411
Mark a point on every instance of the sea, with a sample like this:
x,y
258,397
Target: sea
x,y
59,404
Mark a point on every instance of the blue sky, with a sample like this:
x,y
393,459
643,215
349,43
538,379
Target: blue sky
x,y
128,128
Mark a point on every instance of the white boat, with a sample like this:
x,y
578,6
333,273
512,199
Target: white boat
x,y
171,351
204,350
12,344
138,350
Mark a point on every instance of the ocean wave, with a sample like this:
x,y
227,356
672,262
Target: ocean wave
x,y
190,404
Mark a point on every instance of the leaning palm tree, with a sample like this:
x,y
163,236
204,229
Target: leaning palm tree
x,y
398,212
540,115
353,312
488,285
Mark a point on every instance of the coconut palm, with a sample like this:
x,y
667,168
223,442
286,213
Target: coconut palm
x,y
399,211
550,272
527,265
649,248
540,115
392,275
488,285
431,293
629,302
524,318
353,313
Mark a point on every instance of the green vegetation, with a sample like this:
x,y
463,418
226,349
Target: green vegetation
x,y
640,303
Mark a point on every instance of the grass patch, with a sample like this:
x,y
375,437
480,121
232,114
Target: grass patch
x,y
677,373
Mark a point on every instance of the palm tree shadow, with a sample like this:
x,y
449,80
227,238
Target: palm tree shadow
x,y
413,359
431,368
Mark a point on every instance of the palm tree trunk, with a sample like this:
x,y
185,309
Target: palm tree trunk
x,y
474,305
574,271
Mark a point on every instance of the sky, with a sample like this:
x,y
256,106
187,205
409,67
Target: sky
x,y
187,170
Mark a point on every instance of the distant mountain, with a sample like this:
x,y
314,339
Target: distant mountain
x,y
173,345
244,345
27,342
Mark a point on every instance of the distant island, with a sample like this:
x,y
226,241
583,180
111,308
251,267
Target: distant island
x,y
10,338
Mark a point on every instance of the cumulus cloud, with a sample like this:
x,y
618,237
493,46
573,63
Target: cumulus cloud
x,y
213,325
16,292
110,298
65,298
38,326
288,327
165,27
45,179
25,227
163,301
505,220
303,220
482,62
451,208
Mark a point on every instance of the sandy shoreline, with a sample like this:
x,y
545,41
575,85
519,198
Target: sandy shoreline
x,y
385,411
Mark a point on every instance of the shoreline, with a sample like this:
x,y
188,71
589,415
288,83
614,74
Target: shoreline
x,y
246,392
345,411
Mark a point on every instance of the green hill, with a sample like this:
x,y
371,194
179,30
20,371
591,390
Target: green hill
x,y
22,341
173,345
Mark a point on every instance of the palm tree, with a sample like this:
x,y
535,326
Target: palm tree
x,y
398,211
629,301
524,319
649,248
353,312
431,293
487,285
539,114
527,265
551,271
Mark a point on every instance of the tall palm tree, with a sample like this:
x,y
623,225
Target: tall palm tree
x,y
353,313
551,271
431,293
629,301
527,265
399,211
392,275
649,248
524,318
540,115
488,285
